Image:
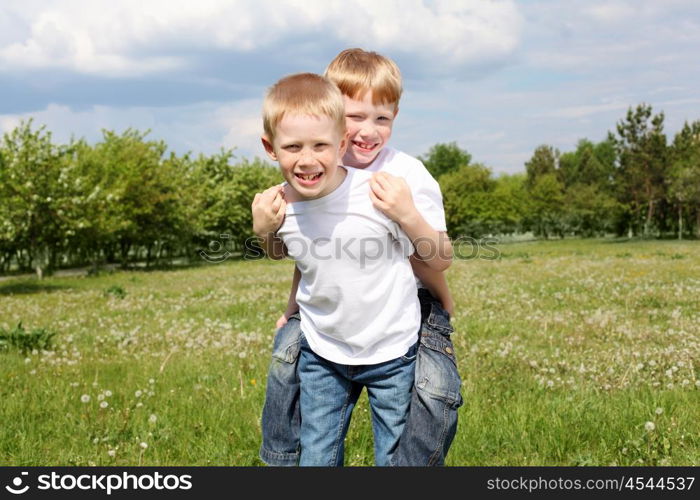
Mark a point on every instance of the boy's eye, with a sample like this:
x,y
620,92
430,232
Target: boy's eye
x,y
291,147
354,117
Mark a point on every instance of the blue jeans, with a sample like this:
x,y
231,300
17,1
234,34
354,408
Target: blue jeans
x,y
432,420
329,392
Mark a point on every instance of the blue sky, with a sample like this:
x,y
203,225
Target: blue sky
x,y
497,77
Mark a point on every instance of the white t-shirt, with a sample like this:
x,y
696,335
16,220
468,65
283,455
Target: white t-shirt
x,y
424,188
357,294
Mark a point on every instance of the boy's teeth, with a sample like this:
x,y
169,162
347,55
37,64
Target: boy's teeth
x,y
308,177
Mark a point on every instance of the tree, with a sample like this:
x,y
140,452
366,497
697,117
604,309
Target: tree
x,y
465,193
444,158
32,197
642,154
683,181
543,162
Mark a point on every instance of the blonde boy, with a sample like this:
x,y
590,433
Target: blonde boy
x,y
357,297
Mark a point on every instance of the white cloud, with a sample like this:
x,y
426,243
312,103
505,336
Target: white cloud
x,y
136,37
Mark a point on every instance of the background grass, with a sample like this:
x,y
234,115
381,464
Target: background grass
x,y
576,352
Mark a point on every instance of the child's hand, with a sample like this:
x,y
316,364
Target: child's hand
x,y
291,309
268,211
281,321
392,196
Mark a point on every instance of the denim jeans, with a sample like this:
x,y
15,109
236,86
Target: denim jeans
x,y
432,420
329,392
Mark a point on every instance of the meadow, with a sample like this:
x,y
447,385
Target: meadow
x,y
573,352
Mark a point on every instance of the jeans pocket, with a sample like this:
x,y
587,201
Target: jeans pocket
x,y
287,338
436,368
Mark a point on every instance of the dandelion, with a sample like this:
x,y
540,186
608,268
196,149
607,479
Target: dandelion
x,y
100,397
96,440
112,453
138,394
139,404
659,411
85,398
697,384
649,426
151,381
153,418
143,445
27,360
104,404
108,394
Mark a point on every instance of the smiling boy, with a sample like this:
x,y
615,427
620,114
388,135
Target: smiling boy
x,y
359,309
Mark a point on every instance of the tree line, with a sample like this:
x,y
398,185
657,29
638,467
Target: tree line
x,y
127,198
634,183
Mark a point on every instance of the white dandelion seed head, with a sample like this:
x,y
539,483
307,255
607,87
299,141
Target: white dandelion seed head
x,y
659,411
138,394
85,398
108,394
139,404
100,397
649,426
104,404
112,453
151,381
143,445
153,418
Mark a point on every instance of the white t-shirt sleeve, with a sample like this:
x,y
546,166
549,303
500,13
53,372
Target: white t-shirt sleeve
x,y
427,196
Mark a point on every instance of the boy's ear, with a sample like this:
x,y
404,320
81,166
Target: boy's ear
x,y
268,147
344,144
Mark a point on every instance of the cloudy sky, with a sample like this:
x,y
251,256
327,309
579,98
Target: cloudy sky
x,y
499,77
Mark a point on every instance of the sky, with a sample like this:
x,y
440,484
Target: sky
x,y
498,77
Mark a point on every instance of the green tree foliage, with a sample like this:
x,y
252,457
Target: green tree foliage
x,y
33,201
643,164
445,157
123,199
683,181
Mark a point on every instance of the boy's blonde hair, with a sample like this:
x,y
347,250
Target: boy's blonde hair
x,y
302,94
356,71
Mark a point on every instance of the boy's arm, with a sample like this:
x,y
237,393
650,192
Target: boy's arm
x,y
292,305
268,214
392,196
435,282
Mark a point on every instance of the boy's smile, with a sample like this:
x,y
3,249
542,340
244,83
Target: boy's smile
x,y
369,129
309,150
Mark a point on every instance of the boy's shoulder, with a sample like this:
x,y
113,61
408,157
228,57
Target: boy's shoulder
x,y
396,162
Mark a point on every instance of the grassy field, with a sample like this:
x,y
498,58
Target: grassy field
x,y
578,352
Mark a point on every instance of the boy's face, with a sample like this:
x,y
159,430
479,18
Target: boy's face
x,y
369,129
309,150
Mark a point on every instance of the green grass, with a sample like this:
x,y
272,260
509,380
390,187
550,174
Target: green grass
x,y
567,350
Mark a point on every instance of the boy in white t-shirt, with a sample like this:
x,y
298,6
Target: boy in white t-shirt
x,y
357,296
371,87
